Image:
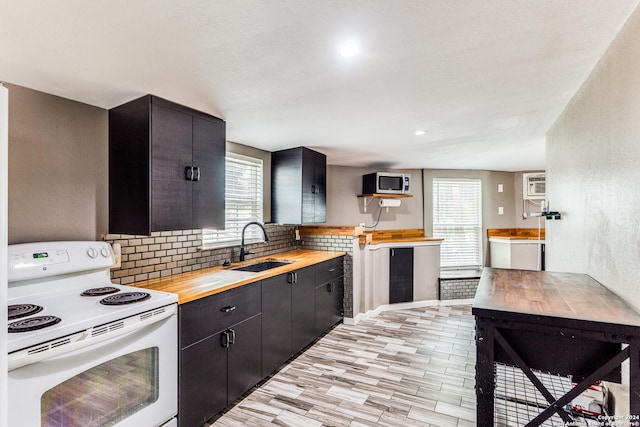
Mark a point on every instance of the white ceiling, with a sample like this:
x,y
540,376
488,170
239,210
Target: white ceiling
x,y
484,79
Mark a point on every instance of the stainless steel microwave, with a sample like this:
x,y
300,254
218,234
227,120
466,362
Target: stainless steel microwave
x,y
386,183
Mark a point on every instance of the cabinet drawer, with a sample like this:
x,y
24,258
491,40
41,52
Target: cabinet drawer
x,y
329,270
209,315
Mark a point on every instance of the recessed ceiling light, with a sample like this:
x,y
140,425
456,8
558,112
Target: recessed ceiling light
x,y
349,49
419,132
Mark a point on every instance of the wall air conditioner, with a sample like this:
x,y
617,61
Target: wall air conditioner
x,y
533,186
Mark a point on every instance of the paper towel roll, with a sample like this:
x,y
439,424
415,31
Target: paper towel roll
x,y
389,203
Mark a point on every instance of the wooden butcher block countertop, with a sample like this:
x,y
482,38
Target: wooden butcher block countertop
x,y
398,236
544,296
201,283
516,233
371,237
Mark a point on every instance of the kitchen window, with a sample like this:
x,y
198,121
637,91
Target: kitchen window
x,y
457,218
243,202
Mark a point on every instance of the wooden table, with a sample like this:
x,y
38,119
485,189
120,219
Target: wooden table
x,y
563,323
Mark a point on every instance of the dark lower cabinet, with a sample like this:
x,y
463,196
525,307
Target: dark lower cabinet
x,y
276,322
218,370
203,381
329,308
288,307
221,352
400,275
244,357
230,341
303,330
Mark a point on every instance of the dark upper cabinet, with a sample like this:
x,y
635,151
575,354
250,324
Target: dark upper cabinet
x,y
298,186
166,167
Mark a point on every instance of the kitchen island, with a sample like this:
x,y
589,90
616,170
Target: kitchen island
x,y
562,323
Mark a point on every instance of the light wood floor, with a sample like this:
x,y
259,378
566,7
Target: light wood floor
x,y
403,368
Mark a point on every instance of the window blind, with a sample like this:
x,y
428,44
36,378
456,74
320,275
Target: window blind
x,y
457,218
243,199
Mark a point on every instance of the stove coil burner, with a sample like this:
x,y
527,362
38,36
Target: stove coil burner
x,y
96,292
125,298
17,311
33,323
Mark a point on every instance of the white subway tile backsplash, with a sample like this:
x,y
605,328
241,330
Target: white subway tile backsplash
x,y
166,253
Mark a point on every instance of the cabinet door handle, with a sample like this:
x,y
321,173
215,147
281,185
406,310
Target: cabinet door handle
x,y
188,173
228,308
393,252
225,339
232,338
196,171
330,287
295,277
290,278
331,270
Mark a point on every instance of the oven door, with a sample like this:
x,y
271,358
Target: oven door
x,y
126,381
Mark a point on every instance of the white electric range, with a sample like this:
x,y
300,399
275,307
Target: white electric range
x,y
85,351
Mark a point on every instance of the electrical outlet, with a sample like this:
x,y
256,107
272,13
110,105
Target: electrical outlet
x,y
500,188
500,210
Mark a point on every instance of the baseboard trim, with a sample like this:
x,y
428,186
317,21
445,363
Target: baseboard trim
x,y
352,321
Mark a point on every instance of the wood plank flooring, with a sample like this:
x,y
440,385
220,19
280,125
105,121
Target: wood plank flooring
x,y
403,368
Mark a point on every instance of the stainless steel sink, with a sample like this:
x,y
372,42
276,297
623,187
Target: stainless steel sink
x,y
262,266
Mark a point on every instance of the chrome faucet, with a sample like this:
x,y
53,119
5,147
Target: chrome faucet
x,y
243,252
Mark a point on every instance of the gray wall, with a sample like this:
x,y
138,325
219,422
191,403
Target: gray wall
x,y
344,184
491,199
593,170
58,168
529,206
245,150
58,177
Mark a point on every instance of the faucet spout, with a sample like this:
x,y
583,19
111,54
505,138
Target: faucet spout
x,y
244,252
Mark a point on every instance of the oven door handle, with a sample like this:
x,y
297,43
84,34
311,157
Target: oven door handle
x,y
88,337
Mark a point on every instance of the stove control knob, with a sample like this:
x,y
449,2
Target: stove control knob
x,y
104,252
92,252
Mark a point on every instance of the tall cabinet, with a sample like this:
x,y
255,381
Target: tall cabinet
x,y
166,167
298,182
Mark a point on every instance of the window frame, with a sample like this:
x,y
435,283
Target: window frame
x,y
212,238
476,227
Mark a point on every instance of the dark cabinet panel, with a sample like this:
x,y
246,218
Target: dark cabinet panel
x,y
276,321
171,203
400,275
244,358
303,330
329,270
329,305
202,381
166,167
220,356
209,159
171,135
298,186
206,316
